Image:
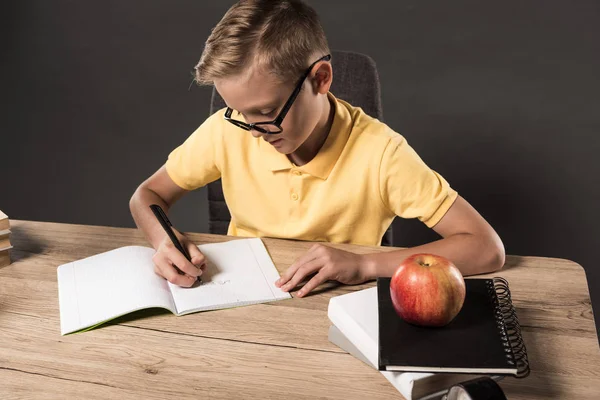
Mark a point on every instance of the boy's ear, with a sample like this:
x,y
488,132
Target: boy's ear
x,y
322,77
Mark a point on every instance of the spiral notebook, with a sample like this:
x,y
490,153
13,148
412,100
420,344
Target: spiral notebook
x,y
354,329
484,338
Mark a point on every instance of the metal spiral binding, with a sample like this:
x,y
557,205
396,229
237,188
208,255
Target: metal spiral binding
x,y
508,326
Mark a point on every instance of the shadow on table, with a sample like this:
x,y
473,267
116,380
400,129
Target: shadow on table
x,y
513,262
139,315
322,288
538,384
24,246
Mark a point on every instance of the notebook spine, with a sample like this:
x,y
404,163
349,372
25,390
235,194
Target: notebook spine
x,y
508,326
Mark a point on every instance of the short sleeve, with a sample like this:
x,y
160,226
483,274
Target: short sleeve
x,y
194,164
409,188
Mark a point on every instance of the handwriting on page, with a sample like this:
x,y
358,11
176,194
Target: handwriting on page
x,y
215,283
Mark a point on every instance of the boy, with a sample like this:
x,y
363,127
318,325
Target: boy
x,y
297,163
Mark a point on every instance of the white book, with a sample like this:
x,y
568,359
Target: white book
x,y
355,330
99,288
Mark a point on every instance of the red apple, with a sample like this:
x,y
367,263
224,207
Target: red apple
x,y
427,290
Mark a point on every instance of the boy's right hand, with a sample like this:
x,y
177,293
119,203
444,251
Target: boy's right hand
x,y
167,256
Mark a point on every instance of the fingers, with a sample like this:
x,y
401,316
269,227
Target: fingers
x,y
173,265
316,280
170,274
198,259
176,258
168,260
164,268
301,273
310,255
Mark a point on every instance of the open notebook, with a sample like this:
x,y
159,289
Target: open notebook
x,y
105,286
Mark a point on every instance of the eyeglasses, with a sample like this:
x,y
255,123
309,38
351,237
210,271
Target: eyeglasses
x,y
274,126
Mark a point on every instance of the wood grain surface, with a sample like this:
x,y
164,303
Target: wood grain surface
x,y
269,351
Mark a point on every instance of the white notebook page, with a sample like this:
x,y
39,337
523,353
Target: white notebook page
x,y
109,285
239,272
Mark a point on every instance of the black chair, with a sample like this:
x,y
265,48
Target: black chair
x,y
355,80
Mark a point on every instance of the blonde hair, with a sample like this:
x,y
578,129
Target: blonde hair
x,y
279,35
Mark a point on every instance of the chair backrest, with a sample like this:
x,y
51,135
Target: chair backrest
x,y
355,80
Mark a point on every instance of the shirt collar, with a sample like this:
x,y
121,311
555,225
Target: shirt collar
x,y
326,158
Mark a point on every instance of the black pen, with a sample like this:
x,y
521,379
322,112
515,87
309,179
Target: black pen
x,y
166,224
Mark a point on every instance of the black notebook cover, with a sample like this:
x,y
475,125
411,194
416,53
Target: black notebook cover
x,y
484,337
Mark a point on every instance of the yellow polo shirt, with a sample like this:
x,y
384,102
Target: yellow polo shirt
x,y
363,176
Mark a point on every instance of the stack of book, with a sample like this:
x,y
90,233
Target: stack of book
x,y
423,363
5,245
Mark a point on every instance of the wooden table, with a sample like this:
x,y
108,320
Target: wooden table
x,y
270,351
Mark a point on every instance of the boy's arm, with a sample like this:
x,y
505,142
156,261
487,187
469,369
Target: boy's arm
x,y
158,189
190,166
413,190
467,239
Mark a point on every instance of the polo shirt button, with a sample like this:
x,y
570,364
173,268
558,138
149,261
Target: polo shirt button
x,y
298,173
294,196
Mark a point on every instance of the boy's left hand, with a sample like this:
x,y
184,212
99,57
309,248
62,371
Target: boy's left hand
x,y
328,264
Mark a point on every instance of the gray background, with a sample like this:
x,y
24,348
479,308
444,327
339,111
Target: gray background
x,y
502,98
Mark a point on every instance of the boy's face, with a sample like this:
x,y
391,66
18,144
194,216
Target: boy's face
x,y
257,96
